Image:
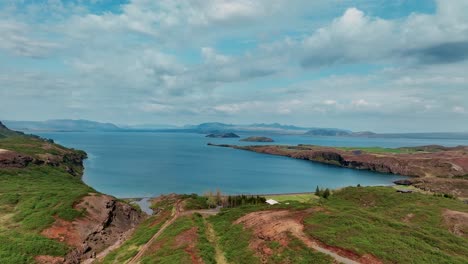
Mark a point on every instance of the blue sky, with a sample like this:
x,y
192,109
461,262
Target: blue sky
x,y
386,66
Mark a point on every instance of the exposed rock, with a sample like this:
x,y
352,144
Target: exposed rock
x,y
455,187
223,135
403,182
258,139
440,162
11,159
105,222
404,191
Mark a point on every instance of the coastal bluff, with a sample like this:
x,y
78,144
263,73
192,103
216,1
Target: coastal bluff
x,y
425,161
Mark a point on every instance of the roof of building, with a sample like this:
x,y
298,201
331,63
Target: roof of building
x,y
271,202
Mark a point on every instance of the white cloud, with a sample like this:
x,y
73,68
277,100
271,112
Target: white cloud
x,y
459,110
210,56
355,38
155,107
330,102
15,37
239,59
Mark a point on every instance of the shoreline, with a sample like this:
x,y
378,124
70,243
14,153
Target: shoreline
x,y
255,194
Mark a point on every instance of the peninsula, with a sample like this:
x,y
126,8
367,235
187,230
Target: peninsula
x,y
434,167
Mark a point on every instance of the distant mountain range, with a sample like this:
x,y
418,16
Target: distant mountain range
x,y
275,128
258,129
60,125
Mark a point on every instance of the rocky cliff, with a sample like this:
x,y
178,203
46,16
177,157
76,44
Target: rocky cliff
x,y
422,162
107,221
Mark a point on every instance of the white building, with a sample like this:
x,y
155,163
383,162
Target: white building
x,y
271,202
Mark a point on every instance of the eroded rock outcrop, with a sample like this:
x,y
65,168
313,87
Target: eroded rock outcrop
x,y
12,159
106,221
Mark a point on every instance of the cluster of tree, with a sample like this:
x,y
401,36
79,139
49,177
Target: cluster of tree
x,y
322,193
237,200
214,199
445,195
218,199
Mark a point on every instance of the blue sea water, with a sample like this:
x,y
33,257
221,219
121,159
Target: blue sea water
x,y
137,164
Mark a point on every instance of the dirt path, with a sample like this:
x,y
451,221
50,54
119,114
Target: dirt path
x,y
211,235
275,225
312,244
178,213
145,247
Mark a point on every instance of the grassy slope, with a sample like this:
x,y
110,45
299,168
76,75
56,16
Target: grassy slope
x,y
171,251
234,239
31,197
142,234
372,220
366,220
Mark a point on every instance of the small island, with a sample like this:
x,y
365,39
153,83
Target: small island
x,y
222,135
257,139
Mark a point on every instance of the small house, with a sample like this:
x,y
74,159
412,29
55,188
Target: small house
x,y
271,202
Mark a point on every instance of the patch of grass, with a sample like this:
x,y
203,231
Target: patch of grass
x,y
30,145
395,227
296,252
39,193
234,239
194,202
167,250
302,198
21,247
207,250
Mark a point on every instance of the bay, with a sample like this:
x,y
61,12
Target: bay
x,y
145,164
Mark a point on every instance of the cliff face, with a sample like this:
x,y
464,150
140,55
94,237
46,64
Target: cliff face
x,y
445,162
11,159
106,222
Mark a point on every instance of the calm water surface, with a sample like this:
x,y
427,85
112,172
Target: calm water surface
x,y
131,164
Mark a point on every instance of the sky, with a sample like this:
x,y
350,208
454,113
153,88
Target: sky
x,y
379,65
